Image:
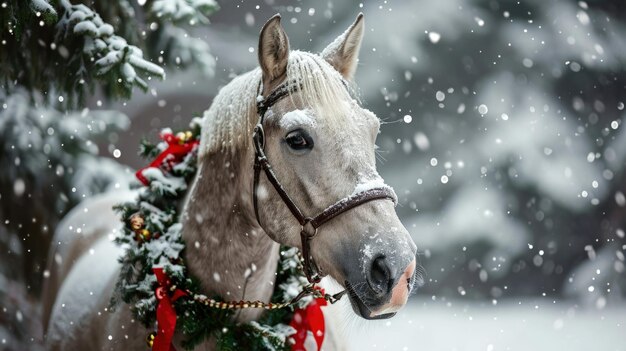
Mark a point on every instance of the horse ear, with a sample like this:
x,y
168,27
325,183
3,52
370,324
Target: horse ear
x,y
273,50
343,53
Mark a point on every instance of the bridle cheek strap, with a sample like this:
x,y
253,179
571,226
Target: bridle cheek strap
x,y
309,225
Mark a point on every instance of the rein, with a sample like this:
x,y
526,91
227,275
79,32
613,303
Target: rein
x,y
308,225
309,290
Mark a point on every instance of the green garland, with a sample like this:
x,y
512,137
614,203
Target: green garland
x,y
152,237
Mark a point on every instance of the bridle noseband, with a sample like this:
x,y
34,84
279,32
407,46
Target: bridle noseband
x,y
309,225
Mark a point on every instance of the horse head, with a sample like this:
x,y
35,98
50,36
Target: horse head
x,y
321,145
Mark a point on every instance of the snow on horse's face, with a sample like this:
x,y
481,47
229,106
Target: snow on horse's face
x,y
321,144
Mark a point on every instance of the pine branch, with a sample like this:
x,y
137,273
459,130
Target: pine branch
x,y
70,49
109,56
183,11
43,6
182,50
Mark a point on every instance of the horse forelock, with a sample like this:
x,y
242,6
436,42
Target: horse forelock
x,y
227,125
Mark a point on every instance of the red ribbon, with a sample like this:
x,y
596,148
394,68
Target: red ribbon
x,y
165,313
175,152
310,318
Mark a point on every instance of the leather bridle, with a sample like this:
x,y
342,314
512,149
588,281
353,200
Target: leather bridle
x,y
309,225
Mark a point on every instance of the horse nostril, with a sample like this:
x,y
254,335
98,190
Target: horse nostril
x,y
379,277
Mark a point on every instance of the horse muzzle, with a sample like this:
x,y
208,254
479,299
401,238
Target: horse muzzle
x,y
385,290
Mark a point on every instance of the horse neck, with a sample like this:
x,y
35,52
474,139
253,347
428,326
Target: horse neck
x,y
226,249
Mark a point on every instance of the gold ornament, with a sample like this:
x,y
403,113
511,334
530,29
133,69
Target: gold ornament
x,y
136,222
145,234
181,137
188,135
150,339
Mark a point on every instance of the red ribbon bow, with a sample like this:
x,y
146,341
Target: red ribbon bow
x,y
175,152
165,313
310,318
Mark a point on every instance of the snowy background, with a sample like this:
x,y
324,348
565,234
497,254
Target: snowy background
x,y
502,136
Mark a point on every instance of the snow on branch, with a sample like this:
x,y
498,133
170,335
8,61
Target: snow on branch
x,y
178,47
99,44
46,146
190,11
44,8
109,52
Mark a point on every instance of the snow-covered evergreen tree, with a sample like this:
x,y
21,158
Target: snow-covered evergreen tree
x,y
53,54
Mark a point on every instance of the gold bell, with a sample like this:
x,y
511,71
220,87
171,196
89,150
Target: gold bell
x,y
150,339
181,137
145,234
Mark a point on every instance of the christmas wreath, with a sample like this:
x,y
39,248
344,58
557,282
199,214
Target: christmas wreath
x,y
161,292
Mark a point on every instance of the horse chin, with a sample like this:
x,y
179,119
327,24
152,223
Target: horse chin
x,y
359,307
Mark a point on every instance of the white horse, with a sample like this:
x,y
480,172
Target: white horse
x,y
320,143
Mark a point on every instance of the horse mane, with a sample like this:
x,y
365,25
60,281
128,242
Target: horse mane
x,y
227,125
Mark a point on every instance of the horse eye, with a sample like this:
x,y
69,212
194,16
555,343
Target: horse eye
x,y
299,140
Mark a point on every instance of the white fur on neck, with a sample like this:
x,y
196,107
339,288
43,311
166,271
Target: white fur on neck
x,y
226,252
